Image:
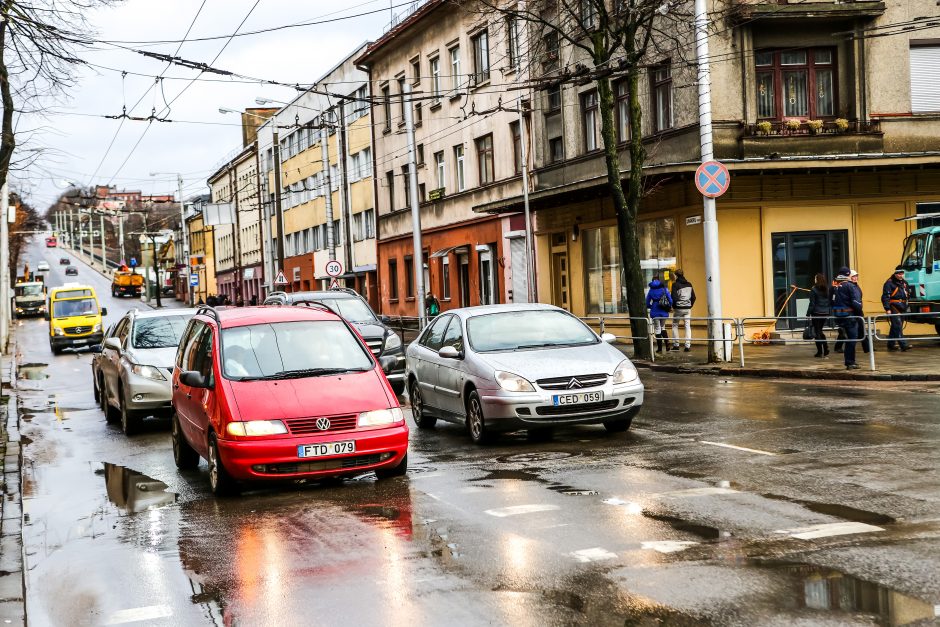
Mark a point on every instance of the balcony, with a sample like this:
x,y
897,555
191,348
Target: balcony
x,y
811,137
745,11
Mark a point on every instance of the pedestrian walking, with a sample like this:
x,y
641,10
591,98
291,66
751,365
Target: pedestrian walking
x,y
846,304
432,306
659,302
895,296
862,332
212,301
820,308
683,298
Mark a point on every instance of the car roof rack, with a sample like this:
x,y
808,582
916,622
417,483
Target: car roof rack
x,y
309,302
209,311
346,290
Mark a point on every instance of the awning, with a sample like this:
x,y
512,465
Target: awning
x,y
459,250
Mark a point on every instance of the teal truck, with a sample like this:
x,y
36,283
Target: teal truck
x,y
921,261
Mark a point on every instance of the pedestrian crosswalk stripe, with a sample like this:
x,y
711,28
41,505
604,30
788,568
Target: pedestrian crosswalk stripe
x,y
139,614
515,510
739,448
826,530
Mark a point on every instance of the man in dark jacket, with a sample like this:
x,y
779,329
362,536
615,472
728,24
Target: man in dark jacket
x,y
847,308
683,297
895,296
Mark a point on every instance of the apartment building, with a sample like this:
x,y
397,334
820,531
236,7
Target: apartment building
x,y
827,117
462,67
337,112
201,250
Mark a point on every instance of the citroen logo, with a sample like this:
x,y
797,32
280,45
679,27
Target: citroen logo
x,y
574,383
323,424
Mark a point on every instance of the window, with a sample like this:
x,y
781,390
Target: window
x,y
556,149
622,110
387,107
460,181
795,83
369,220
439,169
409,277
415,71
419,155
434,336
366,163
925,88
661,76
516,147
485,159
435,67
550,43
455,66
554,98
393,279
401,99
588,15
390,183
481,57
512,42
589,121
454,335
334,177
354,167
445,277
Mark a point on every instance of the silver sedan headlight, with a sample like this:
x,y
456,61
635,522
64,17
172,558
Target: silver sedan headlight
x,y
150,372
625,372
513,382
392,341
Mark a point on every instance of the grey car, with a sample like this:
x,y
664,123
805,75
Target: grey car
x,y
132,372
509,367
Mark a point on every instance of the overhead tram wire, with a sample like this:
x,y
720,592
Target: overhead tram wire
x,y
142,96
167,106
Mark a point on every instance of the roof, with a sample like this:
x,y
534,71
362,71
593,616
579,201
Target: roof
x,y
230,317
482,310
163,313
418,14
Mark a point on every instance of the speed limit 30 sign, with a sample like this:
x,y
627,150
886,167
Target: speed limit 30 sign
x,y
334,268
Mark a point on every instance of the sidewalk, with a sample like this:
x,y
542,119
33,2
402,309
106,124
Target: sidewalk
x,y
12,598
922,363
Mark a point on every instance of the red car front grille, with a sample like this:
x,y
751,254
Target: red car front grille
x,y
301,426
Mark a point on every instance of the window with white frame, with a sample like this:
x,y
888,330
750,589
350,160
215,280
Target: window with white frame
x,y
334,177
455,67
434,65
369,222
354,167
512,42
481,57
366,162
589,121
439,169
460,180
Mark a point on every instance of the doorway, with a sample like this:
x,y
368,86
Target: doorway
x,y
463,279
560,271
797,258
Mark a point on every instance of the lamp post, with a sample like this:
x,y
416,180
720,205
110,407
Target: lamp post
x,y
184,260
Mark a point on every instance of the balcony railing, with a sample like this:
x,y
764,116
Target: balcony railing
x,y
809,128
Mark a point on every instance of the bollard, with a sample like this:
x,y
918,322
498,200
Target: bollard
x,y
870,327
740,325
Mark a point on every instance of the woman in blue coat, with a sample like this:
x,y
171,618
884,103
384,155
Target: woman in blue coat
x,y
659,303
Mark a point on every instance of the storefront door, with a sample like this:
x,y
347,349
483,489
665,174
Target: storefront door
x,y
798,257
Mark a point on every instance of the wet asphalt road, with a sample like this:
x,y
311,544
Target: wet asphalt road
x,y
733,502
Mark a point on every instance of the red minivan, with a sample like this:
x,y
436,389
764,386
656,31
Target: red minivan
x,y
274,393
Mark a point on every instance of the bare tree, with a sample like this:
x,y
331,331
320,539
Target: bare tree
x,y
599,41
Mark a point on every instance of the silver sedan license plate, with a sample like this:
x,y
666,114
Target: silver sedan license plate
x,y
326,449
577,399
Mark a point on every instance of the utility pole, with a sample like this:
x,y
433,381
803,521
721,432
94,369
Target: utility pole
x,y
325,160
529,260
344,187
4,266
278,214
91,237
70,229
121,237
237,239
185,252
156,268
104,244
261,212
418,263
716,349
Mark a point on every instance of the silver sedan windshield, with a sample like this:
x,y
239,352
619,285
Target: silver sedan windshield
x,y
519,330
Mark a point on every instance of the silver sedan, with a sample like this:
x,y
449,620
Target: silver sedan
x,y
510,367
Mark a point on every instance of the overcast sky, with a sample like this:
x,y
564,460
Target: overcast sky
x,y
297,55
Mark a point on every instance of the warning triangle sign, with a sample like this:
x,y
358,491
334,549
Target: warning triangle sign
x,y
280,279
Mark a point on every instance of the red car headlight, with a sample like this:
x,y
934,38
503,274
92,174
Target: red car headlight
x,y
381,417
254,428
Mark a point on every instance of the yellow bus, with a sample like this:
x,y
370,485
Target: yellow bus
x,y
74,317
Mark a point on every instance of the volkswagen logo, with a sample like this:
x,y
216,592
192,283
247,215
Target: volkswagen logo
x,y
323,424
574,383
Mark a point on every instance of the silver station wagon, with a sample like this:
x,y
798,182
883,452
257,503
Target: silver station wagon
x,y
510,367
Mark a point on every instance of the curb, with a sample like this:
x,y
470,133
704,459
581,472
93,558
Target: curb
x,y
12,575
786,373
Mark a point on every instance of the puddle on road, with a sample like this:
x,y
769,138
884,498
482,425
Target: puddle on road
x,y
827,590
132,491
541,456
510,475
32,372
702,531
839,511
567,490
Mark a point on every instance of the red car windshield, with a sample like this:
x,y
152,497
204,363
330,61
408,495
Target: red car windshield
x,y
292,350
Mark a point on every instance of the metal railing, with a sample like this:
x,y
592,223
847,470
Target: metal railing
x,y
728,324
806,320
904,317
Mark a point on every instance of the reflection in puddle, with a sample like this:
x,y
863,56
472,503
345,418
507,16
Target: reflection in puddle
x,y
134,492
33,372
703,531
817,588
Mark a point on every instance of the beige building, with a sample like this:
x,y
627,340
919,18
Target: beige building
x,y
829,140
338,114
463,69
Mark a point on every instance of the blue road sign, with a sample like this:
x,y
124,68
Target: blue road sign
x,y
194,280
712,179
133,262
